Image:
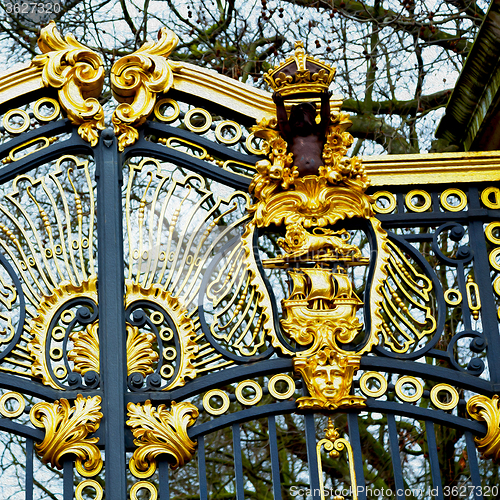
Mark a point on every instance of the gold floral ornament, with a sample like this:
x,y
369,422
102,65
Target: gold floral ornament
x,y
66,430
135,81
78,74
158,431
484,409
320,311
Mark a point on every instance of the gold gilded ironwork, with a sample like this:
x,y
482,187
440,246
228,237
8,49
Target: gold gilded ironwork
x,y
199,129
473,297
453,296
242,398
413,206
448,389
78,74
89,483
44,101
167,102
140,353
462,197
271,386
334,445
20,128
385,195
136,79
484,409
363,384
85,352
208,405
66,430
492,226
143,485
158,431
486,197
416,385
21,405
44,142
228,124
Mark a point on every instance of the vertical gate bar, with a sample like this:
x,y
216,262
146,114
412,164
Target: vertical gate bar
x,y
482,278
433,458
275,460
396,457
238,463
355,440
202,469
29,469
68,480
163,479
473,465
112,348
312,458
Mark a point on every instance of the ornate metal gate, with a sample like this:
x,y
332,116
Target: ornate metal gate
x,y
191,308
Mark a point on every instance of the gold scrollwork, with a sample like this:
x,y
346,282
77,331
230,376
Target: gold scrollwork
x,y
484,409
413,206
416,385
158,431
334,444
462,197
363,384
21,404
212,409
89,483
78,74
153,492
384,195
66,430
243,399
452,393
136,79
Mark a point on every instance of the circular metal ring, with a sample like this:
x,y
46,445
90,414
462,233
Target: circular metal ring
x,y
84,472
166,334
387,195
163,371
363,384
157,318
446,388
249,145
9,115
418,192
418,386
489,232
228,123
485,197
167,102
453,192
58,333
41,102
12,413
496,286
209,408
493,259
153,493
201,128
242,399
60,371
169,353
271,386
67,317
89,483
56,353
139,473
449,300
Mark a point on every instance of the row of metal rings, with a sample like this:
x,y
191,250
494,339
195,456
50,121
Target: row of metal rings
x,y
24,125
417,386
271,387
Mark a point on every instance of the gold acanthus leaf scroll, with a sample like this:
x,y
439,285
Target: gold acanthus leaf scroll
x,y
158,431
135,81
487,410
66,430
78,74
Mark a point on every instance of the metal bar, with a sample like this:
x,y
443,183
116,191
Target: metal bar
x,y
473,466
238,463
202,469
111,312
163,480
312,459
68,480
275,460
29,469
433,459
396,457
355,440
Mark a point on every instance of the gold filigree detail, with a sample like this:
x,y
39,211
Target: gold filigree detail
x,y
158,431
184,326
78,74
334,444
66,430
85,353
484,409
39,325
135,81
140,353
